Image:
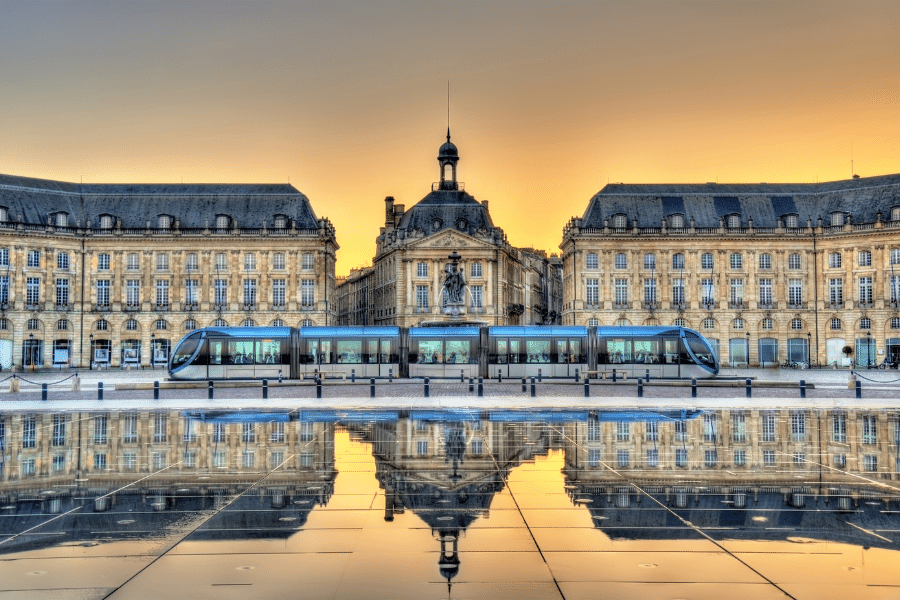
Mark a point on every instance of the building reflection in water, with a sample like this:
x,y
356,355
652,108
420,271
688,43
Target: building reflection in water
x,y
748,474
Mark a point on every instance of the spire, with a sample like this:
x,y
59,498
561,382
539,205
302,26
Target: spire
x,y
448,156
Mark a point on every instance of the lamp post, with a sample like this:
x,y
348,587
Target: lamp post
x,y
31,351
152,350
91,354
809,347
869,349
748,349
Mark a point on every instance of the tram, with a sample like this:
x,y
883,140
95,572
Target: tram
x,y
468,351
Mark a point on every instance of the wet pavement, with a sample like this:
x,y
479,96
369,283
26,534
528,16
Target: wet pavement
x,y
453,496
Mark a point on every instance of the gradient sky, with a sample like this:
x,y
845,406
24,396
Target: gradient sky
x,y
549,101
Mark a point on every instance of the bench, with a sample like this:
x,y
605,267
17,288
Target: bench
x,y
603,374
323,373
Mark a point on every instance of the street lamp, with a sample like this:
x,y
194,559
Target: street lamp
x,y
748,349
869,349
31,351
91,354
152,350
809,347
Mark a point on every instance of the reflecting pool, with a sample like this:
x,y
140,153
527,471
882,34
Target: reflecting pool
x,y
450,504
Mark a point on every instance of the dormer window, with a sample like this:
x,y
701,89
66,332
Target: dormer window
x,y
4,214
676,221
895,213
62,219
164,222
620,221
792,221
106,221
280,222
222,222
837,219
733,221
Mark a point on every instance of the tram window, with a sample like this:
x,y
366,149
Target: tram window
x,y
515,351
239,352
311,351
618,351
388,353
575,355
185,350
500,349
215,351
646,351
431,351
349,351
538,351
701,350
371,355
457,351
317,352
670,350
562,355
269,352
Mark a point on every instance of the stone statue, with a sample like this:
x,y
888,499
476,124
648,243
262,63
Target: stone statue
x,y
454,281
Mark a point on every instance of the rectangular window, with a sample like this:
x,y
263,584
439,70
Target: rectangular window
x,y
218,433
681,457
62,292
592,292
162,262
221,292
162,292
276,459
278,261
739,427
190,460
765,261
651,431
621,292
103,292
836,291
307,262
650,291
62,261
765,292
710,458
99,460
219,459
795,292
101,429
740,458
476,269
4,257
680,431
276,435
623,431
591,261
192,291
895,288
250,292
249,261
709,427
4,289
34,258
189,432
221,261
477,296
307,431
870,463
29,431
652,457
678,261
307,292
736,293
706,261
248,432
865,258
737,261
278,292
621,261
769,458
422,447
59,462
839,427
706,289
895,256
130,428
421,269
59,430
869,430
133,263
422,297
160,420
593,430
593,457
132,292
678,291
798,426
865,290
191,263
33,291
650,261
248,459
768,426
623,458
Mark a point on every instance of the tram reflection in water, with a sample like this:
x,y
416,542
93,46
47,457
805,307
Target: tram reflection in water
x,y
471,351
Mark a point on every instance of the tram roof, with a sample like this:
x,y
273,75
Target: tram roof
x,y
636,330
517,331
444,332
262,332
343,332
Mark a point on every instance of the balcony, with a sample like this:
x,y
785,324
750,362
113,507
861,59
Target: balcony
x,y
161,306
796,305
132,307
650,305
834,305
191,306
866,304
249,306
737,305
101,307
767,305
63,307
621,305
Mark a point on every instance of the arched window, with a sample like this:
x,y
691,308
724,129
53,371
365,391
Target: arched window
x,y
220,323
62,325
131,325
62,219
792,221
248,323
865,323
280,222
767,324
306,323
33,325
835,323
4,323
190,325
895,323
161,324
733,221
593,322
737,324
106,221
679,323
709,323
222,222
619,221
622,322
278,323
796,324
895,213
102,325
676,221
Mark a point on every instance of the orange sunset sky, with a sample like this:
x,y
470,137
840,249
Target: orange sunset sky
x,y
549,100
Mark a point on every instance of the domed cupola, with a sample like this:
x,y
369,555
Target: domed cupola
x,y
448,156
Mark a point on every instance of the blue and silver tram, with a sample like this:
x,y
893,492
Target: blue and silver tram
x,y
471,351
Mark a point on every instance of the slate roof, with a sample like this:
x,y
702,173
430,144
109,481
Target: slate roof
x,y
193,204
765,202
453,209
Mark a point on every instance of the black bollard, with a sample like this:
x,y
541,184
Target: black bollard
x,y
462,376
44,392
524,389
319,386
265,389
210,392
803,388
614,375
648,376
749,388
390,375
427,393
577,378
533,390
99,390
587,387
279,375
539,374
372,388
156,390
499,376
640,388
471,384
352,375
858,389
480,387
693,387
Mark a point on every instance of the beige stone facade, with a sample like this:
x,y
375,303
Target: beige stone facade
x,y
87,287
777,268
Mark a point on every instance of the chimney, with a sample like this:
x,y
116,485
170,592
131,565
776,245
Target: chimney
x,y
399,209
388,210
484,203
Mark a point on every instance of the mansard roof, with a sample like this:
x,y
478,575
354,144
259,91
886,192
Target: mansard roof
x,y
447,209
765,203
193,204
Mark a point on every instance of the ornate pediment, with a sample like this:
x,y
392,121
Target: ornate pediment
x,y
449,239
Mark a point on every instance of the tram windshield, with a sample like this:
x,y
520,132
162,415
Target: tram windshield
x,y
700,349
185,350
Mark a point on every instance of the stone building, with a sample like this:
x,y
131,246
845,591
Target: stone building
x,y
767,272
115,274
502,284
